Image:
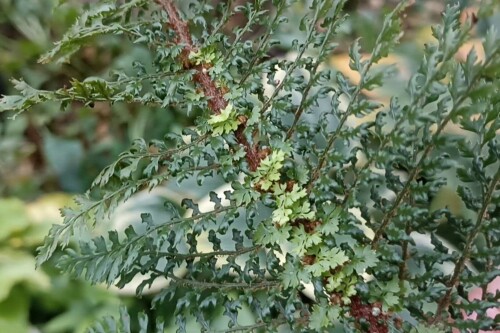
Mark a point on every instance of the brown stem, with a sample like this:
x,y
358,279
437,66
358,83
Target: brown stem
x,y
178,25
460,265
214,93
403,266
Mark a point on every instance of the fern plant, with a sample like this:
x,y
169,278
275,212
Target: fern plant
x,y
315,204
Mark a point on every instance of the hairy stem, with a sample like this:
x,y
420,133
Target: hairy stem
x,y
214,93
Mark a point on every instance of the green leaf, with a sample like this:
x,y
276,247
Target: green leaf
x,y
269,235
355,62
13,217
18,268
242,195
14,312
364,258
290,276
323,316
282,215
29,97
225,122
90,25
268,171
326,260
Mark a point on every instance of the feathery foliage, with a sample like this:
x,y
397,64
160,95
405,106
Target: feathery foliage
x,y
279,133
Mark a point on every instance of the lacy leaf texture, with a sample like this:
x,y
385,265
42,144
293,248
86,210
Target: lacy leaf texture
x,y
319,223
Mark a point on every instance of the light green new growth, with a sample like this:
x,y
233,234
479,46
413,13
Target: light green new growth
x,y
225,122
291,205
268,171
207,56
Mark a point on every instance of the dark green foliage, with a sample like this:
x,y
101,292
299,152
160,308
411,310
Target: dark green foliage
x,y
279,133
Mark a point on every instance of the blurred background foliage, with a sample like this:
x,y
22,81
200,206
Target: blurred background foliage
x,y
48,154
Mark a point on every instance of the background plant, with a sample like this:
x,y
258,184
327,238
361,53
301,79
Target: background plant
x,y
47,156
316,198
